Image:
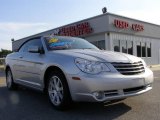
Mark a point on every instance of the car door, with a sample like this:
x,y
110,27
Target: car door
x,y
30,65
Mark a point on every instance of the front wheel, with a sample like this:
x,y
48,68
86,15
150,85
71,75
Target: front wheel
x,y
9,80
58,91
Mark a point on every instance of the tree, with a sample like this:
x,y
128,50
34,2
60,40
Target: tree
x,y
4,52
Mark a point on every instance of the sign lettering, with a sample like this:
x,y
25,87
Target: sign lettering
x,y
74,30
125,25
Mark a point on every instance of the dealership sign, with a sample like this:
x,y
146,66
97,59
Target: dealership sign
x,y
125,25
74,30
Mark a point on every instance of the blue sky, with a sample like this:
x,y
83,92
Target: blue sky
x,y
20,18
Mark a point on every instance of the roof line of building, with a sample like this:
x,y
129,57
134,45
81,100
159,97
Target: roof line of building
x,y
63,26
134,19
38,34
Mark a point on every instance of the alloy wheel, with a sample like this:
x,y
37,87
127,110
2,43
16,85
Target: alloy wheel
x,y
55,90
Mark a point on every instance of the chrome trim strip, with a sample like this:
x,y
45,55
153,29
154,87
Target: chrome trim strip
x,y
28,61
33,83
28,72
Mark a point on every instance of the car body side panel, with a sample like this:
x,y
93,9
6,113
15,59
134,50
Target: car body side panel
x,y
33,65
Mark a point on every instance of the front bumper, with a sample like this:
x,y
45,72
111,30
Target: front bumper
x,y
109,86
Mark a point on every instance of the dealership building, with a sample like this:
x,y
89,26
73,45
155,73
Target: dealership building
x,y
116,33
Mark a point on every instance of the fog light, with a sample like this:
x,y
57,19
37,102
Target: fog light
x,y
99,95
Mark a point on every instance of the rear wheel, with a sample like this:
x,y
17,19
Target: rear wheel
x,y
58,91
9,80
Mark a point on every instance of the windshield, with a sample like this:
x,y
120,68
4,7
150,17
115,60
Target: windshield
x,y
62,43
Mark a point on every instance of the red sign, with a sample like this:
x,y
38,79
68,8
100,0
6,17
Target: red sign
x,y
137,27
75,30
121,24
125,25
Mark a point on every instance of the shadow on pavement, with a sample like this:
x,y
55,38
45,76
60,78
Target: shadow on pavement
x,y
28,104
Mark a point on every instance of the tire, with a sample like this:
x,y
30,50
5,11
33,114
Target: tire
x,y
58,91
9,81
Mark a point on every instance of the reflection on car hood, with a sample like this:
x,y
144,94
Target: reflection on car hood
x,y
102,55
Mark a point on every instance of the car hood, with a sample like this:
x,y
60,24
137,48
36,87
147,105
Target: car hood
x,y
101,55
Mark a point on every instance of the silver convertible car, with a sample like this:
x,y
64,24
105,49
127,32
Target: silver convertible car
x,y
71,69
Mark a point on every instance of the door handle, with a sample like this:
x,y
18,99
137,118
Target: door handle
x,y
20,56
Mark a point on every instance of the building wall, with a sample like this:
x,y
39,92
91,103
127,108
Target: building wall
x,y
99,24
150,30
98,40
94,38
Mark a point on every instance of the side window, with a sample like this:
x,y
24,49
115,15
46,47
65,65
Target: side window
x,y
34,42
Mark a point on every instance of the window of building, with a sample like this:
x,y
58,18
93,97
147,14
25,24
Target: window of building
x,y
100,44
95,43
148,49
130,47
116,44
139,49
143,45
143,49
124,46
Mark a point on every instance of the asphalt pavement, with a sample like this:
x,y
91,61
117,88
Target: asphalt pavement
x,y
26,104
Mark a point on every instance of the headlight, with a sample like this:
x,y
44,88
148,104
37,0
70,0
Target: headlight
x,y
92,67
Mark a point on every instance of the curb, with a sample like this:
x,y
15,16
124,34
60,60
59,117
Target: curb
x,y
154,66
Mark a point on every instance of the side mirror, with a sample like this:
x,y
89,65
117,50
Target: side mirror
x,y
35,49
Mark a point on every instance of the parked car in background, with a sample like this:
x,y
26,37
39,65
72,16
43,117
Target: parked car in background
x,y
72,69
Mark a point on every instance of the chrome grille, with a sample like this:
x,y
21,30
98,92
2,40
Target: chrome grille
x,y
129,68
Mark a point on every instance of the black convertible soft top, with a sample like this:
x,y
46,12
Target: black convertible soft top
x,y
18,43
